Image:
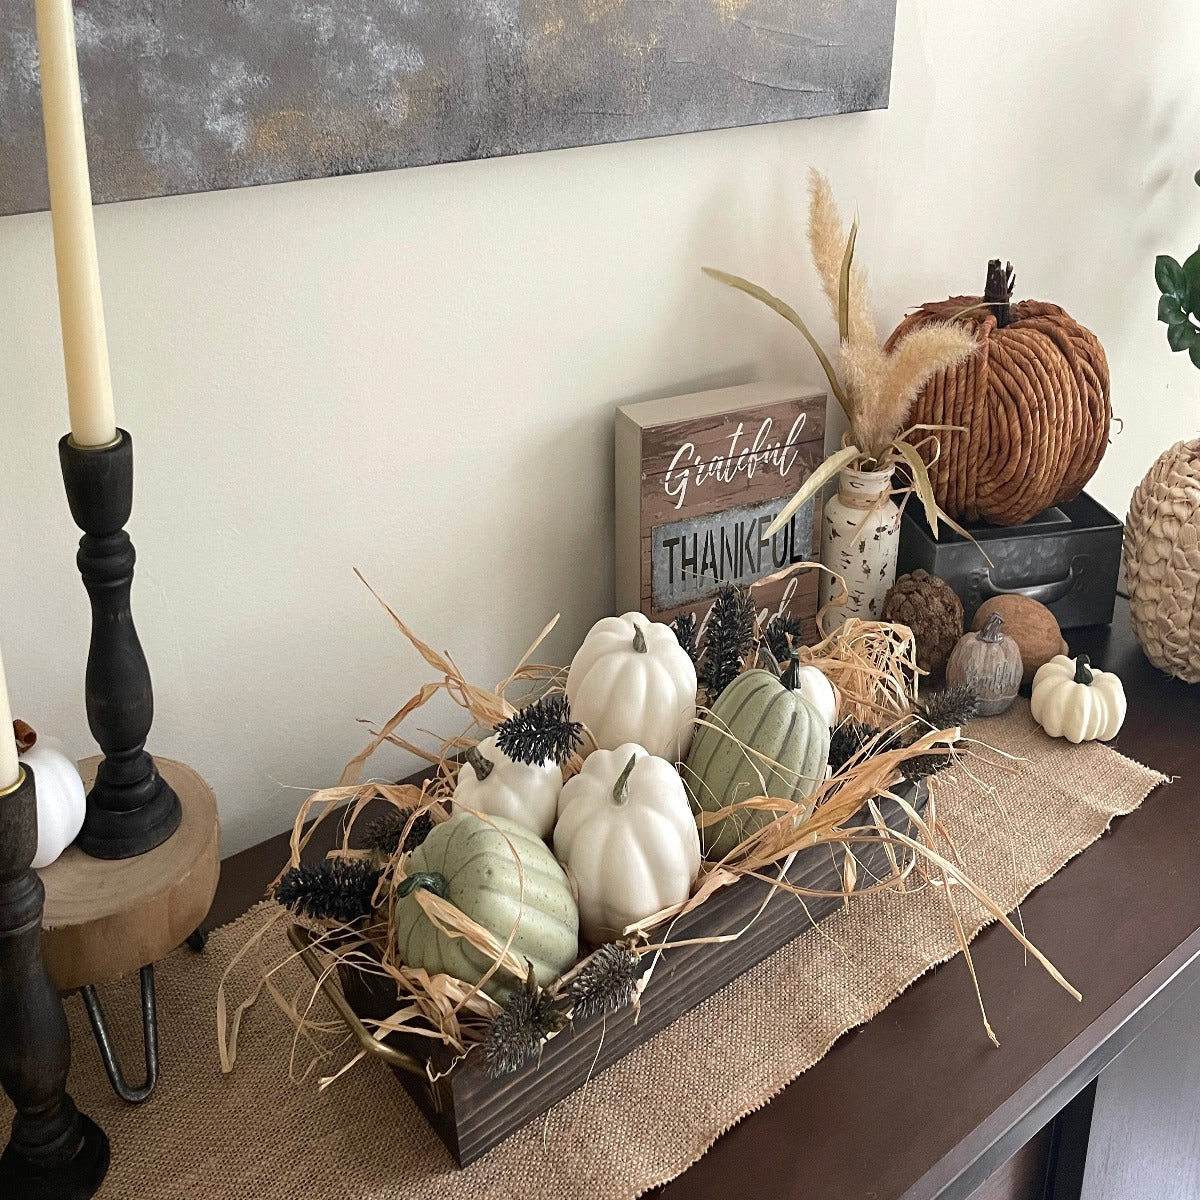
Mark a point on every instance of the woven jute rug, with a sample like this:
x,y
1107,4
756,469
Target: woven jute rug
x,y
257,1135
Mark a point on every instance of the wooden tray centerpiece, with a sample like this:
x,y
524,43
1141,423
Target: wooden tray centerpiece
x,y
809,778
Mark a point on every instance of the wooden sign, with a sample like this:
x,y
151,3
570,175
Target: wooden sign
x,y
699,479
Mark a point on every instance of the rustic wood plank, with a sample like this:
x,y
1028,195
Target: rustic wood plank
x,y
485,1110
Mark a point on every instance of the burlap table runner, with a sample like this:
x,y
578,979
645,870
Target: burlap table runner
x,y
254,1135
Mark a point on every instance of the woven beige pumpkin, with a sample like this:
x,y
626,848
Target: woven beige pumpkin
x,y
1162,561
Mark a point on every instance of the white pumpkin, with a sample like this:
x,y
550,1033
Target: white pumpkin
x,y
1074,700
61,801
627,836
490,782
631,681
811,683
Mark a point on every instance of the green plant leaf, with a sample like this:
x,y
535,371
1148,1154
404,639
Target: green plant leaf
x,y
1191,273
1183,336
1168,274
1194,355
1196,177
813,484
790,315
844,284
1170,311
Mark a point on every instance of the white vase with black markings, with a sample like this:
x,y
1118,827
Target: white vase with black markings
x,y
860,540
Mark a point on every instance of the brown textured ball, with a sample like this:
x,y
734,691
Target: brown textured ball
x,y
1030,624
930,608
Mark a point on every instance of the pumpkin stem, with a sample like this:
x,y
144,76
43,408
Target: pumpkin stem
x,y
621,789
639,639
1082,674
997,293
431,881
993,628
791,675
481,766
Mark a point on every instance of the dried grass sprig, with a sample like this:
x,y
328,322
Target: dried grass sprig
x,y
827,241
875,387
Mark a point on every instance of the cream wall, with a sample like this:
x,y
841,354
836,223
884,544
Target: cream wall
x,y
414,373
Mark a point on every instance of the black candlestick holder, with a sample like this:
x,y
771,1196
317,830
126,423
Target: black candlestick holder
x,y
131,808
54,1152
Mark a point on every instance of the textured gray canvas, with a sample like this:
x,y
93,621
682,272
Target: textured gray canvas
x,y
190,95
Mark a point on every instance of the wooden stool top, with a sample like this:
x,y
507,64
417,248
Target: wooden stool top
x,y
104,918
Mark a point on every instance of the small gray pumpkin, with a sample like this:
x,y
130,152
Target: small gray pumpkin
x,y
989,663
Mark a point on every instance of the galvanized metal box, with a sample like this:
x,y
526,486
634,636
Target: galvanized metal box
x,y
1067,557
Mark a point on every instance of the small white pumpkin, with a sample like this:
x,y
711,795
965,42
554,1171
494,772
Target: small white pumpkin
x,y
627,836
61,802
631,681
490,782
811,683
1074,700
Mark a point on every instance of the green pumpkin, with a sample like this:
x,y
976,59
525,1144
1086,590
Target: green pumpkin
x,y
471,863
773,721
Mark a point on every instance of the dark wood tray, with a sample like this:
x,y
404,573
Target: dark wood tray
x,y
472,1112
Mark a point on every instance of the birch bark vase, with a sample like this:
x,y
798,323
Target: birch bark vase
x,y
860,540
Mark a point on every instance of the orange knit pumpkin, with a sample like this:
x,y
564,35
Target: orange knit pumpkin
x,y
1034,403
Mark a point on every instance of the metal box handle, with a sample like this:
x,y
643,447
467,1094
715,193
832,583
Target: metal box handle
x,y
1045,593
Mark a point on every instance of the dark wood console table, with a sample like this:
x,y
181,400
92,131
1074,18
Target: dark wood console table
x,y
918,1105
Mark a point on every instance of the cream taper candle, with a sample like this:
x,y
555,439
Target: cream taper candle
x,y
85,349
9,767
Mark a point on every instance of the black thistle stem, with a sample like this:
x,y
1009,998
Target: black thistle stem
x,y
730,639
998,291
684,629
540,731
384,832
337,889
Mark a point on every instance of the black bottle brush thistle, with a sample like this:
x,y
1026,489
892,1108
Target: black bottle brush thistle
x,y
540,731
337,889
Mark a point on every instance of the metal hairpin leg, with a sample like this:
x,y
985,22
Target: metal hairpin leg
x,y
108,1053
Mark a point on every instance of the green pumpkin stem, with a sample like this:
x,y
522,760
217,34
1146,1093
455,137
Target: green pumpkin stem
x,y
482,767
791,675
1082,674
997,294
431,881
639,639
993,629
620,792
